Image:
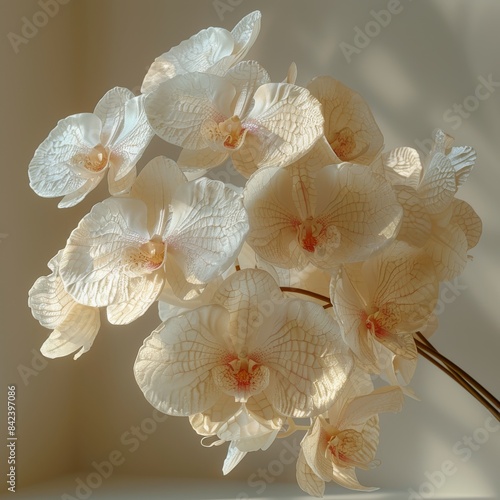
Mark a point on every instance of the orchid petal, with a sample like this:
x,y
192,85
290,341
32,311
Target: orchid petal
x,y
207,229
447,247
111,111
438,185
173,367
307,479
469,222
363,408
402,167
191,159
155,187
350,127
77,331
178,108
54,170
197,54
358,206
233,458
132,138
98,277
273,217
463,159
416,225
281,110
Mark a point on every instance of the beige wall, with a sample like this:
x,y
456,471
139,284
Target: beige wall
x,y
427,59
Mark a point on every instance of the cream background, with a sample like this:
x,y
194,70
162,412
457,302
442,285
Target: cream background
x,y
73,413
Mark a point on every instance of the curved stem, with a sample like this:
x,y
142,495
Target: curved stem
x,y
306,292
428,353
460,372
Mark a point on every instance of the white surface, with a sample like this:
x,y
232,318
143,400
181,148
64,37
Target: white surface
x,y
71,414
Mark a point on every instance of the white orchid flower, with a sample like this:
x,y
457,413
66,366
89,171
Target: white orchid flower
x,y
350,128
82,148
74,325
239,114
336,214
380,303
344,439
279,356
168,231
434,220
212,50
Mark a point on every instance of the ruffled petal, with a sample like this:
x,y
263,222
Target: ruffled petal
x,y
197,54
307,479
416,225
155,187
280,111
244,35
75,326
111,111
447,247
96,266
178,109
350,127
132,137
123,185
360,211
469,222
77,331
207,229
173,367
273,217
142,293
249,295
56,168
402,167
363,408
301,344
463,159
438,185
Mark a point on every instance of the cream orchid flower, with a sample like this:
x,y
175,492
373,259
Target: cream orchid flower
x,y
336,214
350,128
168,231
380,303
434,220
279,356
240,115
82,148
344,439
74,325
212,50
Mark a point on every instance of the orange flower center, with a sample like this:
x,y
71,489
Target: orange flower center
x,y
232,130
94,161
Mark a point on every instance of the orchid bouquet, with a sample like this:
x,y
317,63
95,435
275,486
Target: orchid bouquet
x,y
281,298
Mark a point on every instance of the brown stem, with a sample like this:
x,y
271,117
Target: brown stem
x,y
427,353
305,292
460,372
